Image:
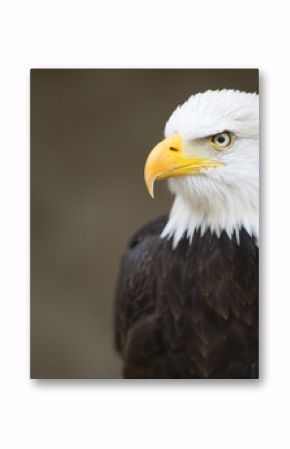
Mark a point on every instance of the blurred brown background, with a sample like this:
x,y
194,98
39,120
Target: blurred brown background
x,y
90,133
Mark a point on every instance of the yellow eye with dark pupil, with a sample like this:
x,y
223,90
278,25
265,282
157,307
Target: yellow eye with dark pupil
x,y
221,140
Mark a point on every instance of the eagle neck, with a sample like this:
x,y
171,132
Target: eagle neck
x,y
230,215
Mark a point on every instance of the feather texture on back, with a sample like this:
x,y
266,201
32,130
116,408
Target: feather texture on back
x,y
191,312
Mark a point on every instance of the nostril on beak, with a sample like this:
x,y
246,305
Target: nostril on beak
x,y
173,149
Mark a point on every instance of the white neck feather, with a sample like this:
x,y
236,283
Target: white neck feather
x,y
229,212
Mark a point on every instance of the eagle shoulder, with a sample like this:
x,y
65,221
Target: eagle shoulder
x,y
134,301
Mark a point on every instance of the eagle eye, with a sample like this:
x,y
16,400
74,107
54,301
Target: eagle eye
x,y
221,140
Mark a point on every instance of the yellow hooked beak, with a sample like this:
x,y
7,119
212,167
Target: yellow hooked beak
x,y
167,160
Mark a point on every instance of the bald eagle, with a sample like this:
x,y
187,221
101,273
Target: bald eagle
x,y
187,297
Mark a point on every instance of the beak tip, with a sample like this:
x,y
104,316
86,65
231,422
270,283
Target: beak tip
x,y
149,181
150,188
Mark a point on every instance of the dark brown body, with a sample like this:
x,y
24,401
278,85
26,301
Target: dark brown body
x,y
191,312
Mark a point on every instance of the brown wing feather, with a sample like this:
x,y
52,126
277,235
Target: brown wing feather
x,y
191,312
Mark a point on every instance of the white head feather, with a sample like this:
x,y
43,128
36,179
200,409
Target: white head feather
x,y
220,198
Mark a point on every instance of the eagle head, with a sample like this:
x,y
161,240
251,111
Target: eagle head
x,y
210,155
